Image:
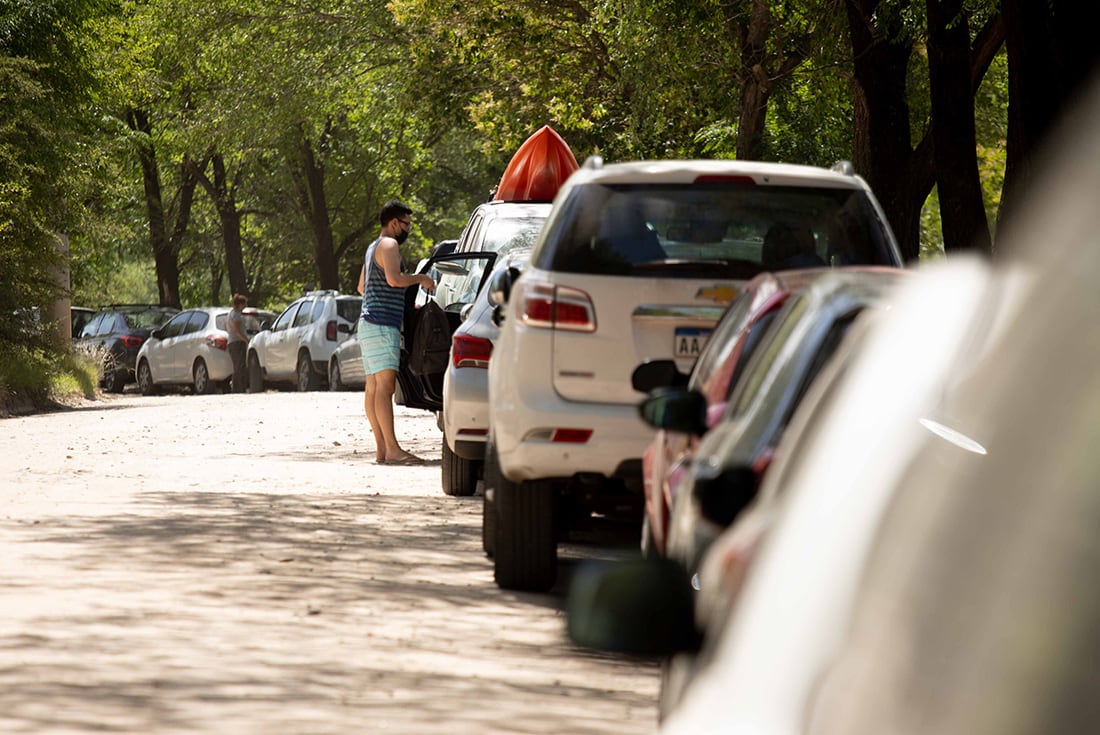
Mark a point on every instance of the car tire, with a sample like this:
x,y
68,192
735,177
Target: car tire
x,y
200,379
307,376
335,382
114,378
488,505
525,548
459,475
145,379
255,374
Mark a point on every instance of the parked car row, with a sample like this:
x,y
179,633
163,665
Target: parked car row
x,y
158,347
192,348
636,264
917,555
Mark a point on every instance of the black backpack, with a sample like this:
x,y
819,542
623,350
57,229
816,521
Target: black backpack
x,y
431,341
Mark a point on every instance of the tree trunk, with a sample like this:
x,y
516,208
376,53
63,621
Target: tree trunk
x,y
223,194
313,182
755,85
164,255
883,153
953,133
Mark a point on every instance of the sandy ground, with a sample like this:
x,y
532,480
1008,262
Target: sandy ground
x,y
239,564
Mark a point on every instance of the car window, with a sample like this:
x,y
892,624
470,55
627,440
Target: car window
x,y
91,329
472,234
253,322
318,310
80,320
175,325
110,324
753,381
723,229
220,320
505,234
305,314
146,318
348,307
286,318
197,322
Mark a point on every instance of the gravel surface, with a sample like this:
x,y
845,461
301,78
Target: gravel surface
x,y
239,564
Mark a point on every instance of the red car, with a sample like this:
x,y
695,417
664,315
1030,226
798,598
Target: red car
x,y
714,375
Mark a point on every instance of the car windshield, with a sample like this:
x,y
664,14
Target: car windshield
x,y
147,318
723,229
506,234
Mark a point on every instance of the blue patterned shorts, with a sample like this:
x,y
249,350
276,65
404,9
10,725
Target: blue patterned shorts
x,y
379,346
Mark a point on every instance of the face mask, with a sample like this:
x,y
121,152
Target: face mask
x,y
402,236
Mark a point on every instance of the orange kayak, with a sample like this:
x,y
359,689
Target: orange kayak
x,y
538,169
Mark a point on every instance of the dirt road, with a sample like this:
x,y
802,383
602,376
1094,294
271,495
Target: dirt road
x,y
238,564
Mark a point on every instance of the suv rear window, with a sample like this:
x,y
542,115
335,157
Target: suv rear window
x,y
721,229
349,307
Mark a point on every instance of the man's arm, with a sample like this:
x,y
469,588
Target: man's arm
x,y
390,256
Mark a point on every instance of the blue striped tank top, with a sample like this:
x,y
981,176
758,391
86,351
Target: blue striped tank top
x,y
382,303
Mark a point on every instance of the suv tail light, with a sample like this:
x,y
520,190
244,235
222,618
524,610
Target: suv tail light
x,y
467,351
131,342
330,330
217,342
558,307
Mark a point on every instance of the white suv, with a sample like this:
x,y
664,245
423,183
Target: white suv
x,y
296,348
636,262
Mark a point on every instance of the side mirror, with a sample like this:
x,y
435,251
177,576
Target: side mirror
x,y
157,334
464,312
345,328
497,316
722,493
639,607
451,268
657,374
676,409
265,325
500,285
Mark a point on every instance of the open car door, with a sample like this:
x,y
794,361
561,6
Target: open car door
x,y
424,348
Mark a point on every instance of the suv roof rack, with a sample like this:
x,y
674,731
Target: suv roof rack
x,y
593,162
843,167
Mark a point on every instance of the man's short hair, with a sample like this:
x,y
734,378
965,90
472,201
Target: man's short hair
x,y
392,209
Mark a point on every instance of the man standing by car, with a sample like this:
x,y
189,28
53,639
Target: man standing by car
x,y
382,282
238,342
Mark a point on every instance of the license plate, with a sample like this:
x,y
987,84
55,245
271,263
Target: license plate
x,y
689,341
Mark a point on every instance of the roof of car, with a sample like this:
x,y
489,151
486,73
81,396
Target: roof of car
x,y
689,171
515,209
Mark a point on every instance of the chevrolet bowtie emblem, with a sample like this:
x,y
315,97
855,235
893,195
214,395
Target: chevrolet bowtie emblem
x,y
718,293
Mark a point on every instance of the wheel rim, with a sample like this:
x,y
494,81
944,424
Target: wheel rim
x,y
145,380
303,374
201,378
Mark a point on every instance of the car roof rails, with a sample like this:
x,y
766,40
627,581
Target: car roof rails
x,y
593,163
843,167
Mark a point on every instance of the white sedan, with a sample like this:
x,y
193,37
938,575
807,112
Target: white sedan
x,y
466,389
192,349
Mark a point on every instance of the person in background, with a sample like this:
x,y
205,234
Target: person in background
x,y
382,282
238,342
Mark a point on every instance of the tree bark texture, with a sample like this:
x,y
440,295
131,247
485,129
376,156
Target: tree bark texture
x,y
954,138
313,192
883,152
222,193
164,256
